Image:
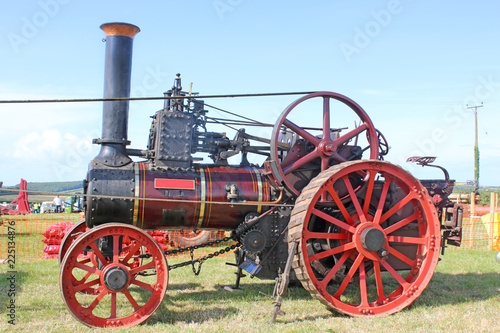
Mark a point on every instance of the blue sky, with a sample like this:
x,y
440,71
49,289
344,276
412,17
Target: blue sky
x,y
412,65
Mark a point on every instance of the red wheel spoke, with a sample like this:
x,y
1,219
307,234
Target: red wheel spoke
x,y
329,253
326,118
396,207
369,191
113,306
333,220
349,135
85,277
400,224
395,275
362,285
325,163
98,253
303,133
142,268
409,240
97,299
381,202
336,157
301,162
350,274
322,235
378,281
323,283
131,299
89,284
142,284
89,269
131,252
402,257
340,205
354,198
116,249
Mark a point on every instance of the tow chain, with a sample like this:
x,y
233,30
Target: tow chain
x,y
196,263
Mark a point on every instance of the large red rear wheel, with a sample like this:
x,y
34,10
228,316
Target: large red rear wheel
x,y
127,293
369,238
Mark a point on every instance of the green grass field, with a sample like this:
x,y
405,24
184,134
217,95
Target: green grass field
x,y
463,296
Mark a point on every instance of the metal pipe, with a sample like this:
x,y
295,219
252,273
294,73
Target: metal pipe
x,y
117,73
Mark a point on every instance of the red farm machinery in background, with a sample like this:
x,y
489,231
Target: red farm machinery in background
x,y
20,204
323,209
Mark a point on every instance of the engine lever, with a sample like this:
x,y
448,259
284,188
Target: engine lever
x,y
282,283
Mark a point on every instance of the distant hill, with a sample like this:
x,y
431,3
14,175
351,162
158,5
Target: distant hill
x,y
59,187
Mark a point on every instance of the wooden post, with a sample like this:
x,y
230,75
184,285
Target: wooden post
x,y
472,214
492,219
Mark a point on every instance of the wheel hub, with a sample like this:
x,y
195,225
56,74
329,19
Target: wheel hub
x,y
115,278
372,239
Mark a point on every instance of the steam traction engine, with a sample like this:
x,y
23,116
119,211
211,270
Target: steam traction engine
x,y
362,235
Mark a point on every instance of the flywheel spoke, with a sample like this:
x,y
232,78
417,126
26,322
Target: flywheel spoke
x,y
326,118
350,135
301,162
301,132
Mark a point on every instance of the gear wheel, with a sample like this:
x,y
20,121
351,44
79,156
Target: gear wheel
x,y
254,241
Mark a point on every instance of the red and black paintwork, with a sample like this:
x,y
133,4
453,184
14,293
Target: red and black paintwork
x,y
198,193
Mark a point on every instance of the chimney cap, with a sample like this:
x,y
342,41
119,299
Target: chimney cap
x,y
120,29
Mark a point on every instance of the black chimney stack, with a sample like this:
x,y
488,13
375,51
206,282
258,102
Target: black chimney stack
x,y
117,73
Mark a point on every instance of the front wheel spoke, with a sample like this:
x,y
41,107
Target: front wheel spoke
x,y
322,235
142,285
113,306
131,299
301,132
396,207
331,252
401,257
90,269
404,239
301,162
97,299
98,253
323,283
116,249
142,268
400,224
350,274
131,253
333,220
395,275
86,285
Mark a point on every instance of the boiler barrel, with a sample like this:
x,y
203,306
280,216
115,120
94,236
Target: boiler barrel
x,y
205,197
199,193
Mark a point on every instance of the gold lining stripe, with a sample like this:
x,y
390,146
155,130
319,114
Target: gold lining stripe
x,y
259,188
203,197
136,194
